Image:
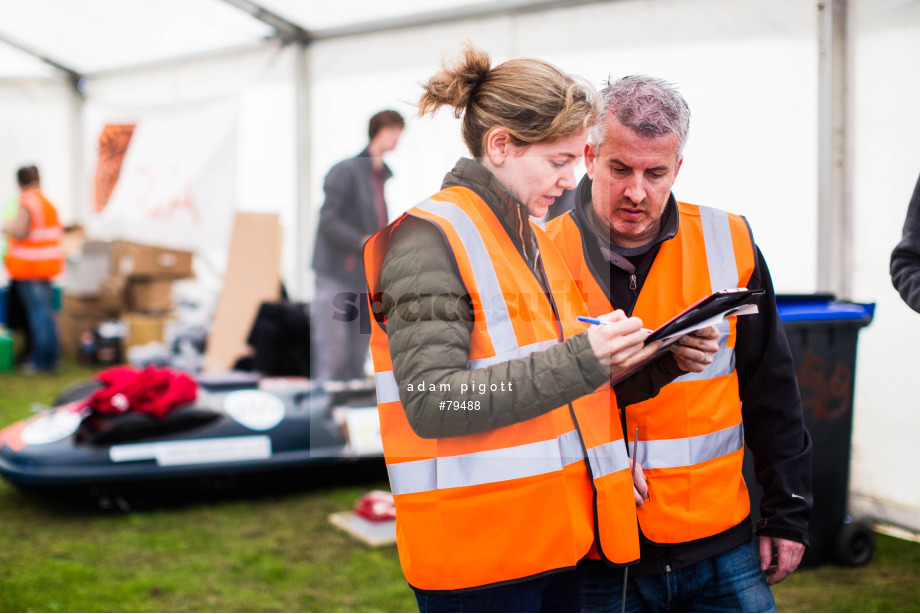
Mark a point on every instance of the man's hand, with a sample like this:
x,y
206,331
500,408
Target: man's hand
x,y
695,350
788,558
640,485
618,343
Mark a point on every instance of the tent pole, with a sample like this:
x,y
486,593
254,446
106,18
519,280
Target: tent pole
x,y
79,200
304,211
835,215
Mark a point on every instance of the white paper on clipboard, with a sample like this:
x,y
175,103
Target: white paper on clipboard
x,y
731,309
712,321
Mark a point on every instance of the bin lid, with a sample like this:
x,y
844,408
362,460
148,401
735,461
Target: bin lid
x,y
822,307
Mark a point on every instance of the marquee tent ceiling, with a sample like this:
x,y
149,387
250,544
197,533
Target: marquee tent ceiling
x,y
44,38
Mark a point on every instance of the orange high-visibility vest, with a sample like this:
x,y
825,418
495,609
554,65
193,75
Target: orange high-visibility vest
x,y
39,255
520,500
691,440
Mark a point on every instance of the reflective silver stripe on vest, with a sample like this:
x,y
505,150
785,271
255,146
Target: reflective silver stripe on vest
x,y
723,275
36,254
720,255
669,453
387,389
48,233
478,468
495,309
520,352
608,458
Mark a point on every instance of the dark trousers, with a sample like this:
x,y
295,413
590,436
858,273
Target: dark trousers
x,y
729,582
36,297
19,320
557,592
339,345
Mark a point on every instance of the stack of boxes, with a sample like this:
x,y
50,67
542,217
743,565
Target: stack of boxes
x,y
120,281
141,281
82,311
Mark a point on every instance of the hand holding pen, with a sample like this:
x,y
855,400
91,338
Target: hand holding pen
x,y
692,351
620,342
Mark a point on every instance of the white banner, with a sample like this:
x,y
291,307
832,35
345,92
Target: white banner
x,y
176,185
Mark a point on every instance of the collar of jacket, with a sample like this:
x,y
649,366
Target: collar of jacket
x,y
366,154
670,222
507,208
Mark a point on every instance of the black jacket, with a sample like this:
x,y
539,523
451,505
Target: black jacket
x,y
905,259
774,429
348,216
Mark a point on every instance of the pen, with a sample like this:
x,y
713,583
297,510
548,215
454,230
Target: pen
x,y
598,322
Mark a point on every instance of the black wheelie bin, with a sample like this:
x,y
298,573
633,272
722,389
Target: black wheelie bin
x,y
822,333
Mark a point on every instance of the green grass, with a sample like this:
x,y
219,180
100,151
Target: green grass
x,y
242,550
890,583
274,554
275,551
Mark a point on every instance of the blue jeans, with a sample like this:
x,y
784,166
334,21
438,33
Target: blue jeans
x,y
558,592
729,582
36,299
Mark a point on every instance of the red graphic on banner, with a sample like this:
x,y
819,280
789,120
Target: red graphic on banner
x,y
154,204
113,144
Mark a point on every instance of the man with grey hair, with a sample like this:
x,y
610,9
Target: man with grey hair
x,y
631,245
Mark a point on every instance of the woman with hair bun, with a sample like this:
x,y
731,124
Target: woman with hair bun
x,y
500,432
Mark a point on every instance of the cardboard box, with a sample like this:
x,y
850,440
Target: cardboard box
x,y
149,294
86,305
144,328
375,534
112,293
253,276
87,268
73,240
73,326
138,260
79,315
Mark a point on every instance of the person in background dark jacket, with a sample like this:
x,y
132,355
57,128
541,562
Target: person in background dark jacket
x,y
905,259
354,209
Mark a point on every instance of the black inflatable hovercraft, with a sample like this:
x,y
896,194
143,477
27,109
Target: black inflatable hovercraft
x,y
238,424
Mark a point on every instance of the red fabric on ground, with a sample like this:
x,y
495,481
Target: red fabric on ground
x,y
151,390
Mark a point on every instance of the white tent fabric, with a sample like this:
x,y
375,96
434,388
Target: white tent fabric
x,y
886,162
322,18
19,64
92,36
749,69
37,124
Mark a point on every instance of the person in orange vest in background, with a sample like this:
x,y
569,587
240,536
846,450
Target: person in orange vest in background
x,y
499,429
630,243
34,257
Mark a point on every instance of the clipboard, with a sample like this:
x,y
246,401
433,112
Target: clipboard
x,y
707,311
